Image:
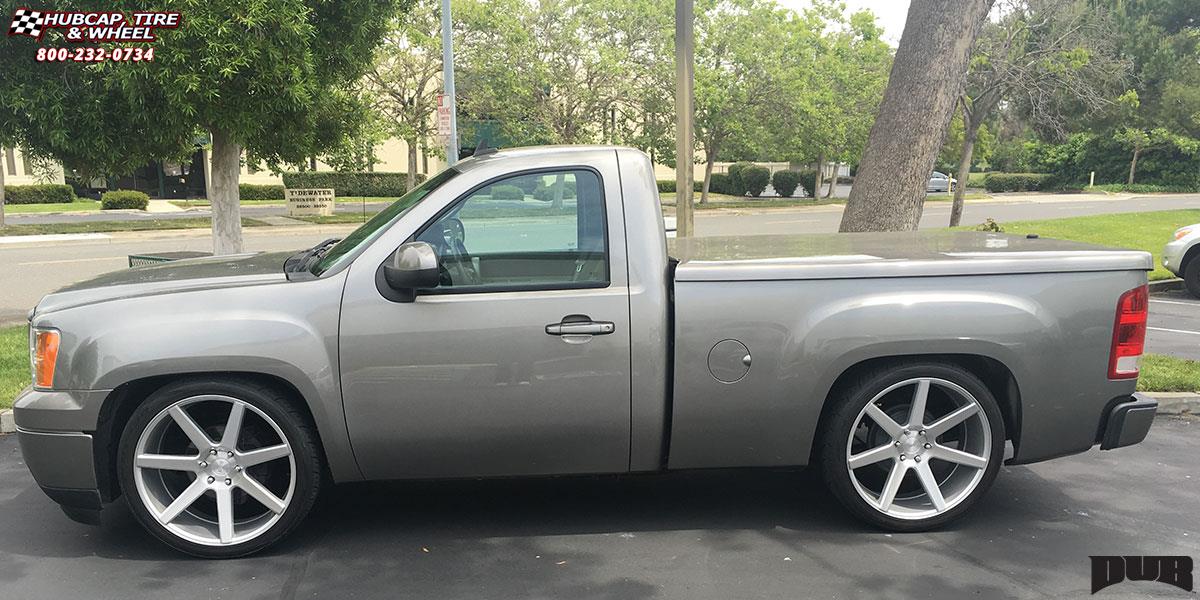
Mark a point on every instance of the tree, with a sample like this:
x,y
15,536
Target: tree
x,y
926,80
740,72
1041,54
405,79
272,77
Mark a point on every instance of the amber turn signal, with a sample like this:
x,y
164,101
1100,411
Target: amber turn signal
x,y
43,356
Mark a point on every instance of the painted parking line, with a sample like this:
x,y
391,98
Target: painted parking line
x,y
1175,302
1173,330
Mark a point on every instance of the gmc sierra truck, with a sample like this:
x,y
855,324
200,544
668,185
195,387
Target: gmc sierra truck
x,y
520,314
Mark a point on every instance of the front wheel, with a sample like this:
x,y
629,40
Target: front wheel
x,y
1191,277
912,446
219,468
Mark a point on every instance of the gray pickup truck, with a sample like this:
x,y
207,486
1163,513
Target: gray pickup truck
x,y
520,314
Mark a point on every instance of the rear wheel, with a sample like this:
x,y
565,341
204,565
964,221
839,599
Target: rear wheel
x,y
219,468
912,446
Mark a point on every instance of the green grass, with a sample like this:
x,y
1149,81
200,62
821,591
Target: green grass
x,y
1162,373
111,226
1148,231
281,202
14,363
78,205
336,219
1141,188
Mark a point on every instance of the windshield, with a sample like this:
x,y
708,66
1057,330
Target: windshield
x,y
377,225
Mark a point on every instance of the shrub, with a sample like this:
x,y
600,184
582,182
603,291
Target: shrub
x,y
989,225
786,182
375,184
808,179
507,192
720,183
735,176
1014,182
666,186
546,192
250,191
1143,188
124,199
51,193
755,179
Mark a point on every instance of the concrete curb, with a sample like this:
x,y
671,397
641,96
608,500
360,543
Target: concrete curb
x,y
1176,403
1166,285
7,424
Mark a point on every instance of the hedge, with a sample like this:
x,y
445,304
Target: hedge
x,y
546,192
735,176
507,192
754,179
50,193
786,182
666,186
124,199
250,191
1014,182
374,184
808,179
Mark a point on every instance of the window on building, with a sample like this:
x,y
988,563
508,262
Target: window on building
x,y
10,159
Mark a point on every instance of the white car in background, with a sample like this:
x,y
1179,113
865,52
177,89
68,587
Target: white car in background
x,y
939,182
1179,257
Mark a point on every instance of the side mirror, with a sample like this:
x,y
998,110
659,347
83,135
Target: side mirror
x,y
413,266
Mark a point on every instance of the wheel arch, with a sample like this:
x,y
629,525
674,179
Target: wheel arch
x,y
1188,257
994,373
126,397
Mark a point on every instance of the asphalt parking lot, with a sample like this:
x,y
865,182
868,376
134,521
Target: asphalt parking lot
x,y
1174,326
720,535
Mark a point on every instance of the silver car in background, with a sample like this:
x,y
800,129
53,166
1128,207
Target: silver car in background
x,y
1178,257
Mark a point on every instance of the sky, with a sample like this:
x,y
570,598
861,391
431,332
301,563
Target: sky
x,y
888,13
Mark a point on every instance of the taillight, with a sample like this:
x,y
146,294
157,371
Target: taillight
x,y
1129,334
43,354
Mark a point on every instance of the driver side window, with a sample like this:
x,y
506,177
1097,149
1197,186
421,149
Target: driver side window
x,y
542,230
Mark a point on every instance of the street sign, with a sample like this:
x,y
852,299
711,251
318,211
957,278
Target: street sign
x,y
443,114
309,202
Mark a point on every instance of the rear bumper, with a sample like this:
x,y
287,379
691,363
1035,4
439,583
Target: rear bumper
x,y
1128,422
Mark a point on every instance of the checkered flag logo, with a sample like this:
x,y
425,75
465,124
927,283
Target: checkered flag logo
x,y
27,22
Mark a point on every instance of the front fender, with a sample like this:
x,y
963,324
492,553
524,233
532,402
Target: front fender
x,y
286,330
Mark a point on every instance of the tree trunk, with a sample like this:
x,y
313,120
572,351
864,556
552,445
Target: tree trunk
x,y
1,195
559,184
1137,151
412,163
964,173
926,79
818,182
833,177
225,200
709,158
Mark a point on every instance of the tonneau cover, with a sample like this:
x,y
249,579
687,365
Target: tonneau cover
x,y
900,254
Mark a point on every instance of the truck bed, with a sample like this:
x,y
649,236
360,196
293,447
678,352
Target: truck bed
x,y
903,254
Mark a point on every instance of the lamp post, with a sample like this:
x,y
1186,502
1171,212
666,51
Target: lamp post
x,y
448,82
685,51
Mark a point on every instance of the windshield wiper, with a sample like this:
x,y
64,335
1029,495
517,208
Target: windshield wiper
x,y
303,259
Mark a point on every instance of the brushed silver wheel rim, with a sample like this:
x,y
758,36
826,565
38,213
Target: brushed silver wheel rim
x,y
210,487
915,455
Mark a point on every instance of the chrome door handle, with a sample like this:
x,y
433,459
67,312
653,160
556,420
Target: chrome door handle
x,y
581,328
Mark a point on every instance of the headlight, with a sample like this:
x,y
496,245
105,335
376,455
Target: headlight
x,y
43,354
1182,232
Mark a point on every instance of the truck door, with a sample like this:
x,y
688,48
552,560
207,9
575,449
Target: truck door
x,y
518,363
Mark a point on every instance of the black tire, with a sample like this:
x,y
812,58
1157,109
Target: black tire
x,y
849,401
1191,277
300,434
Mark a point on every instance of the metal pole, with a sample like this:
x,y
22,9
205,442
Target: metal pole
x,y
685,50
448,82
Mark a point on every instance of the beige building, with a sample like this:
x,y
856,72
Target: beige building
x,y
20,169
